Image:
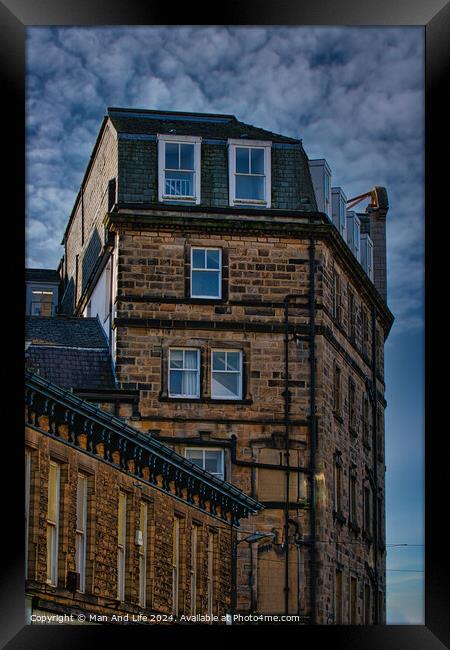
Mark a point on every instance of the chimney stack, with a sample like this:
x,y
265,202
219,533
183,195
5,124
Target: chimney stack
x,y
377,231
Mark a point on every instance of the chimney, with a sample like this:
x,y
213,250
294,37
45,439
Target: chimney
x,y
377,231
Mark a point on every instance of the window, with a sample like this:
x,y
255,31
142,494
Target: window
x,y
337,298
367,512
250,175
337,491
352,496
210,575
342,218
326,190
367,606
27,504
41,303
365,331
53,522
121,544
365,421
353,599
380,520
337,401
209,459
351,314
179,168
351,405
175,564
194,565
338,598
206,272
380,433
142,543
184,372
80,539
226,374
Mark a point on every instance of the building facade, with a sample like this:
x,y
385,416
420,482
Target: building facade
x,y
119,529
236,304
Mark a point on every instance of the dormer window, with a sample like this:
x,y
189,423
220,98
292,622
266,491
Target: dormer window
x,y
249,171
179,168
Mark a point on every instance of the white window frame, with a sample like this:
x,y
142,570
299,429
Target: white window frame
x,y
219,270
143,524
121,547
164,138
250,144
27,504
197,395
175,565
233,372
53,528
81,532
221,474
42,291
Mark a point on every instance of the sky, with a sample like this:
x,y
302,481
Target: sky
x,y
354,95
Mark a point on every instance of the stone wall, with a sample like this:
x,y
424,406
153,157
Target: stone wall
x,y
104,483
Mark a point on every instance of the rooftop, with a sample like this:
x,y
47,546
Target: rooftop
x,y
208,125
70,352
42,275
43,397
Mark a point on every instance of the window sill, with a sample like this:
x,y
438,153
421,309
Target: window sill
x,y
204,400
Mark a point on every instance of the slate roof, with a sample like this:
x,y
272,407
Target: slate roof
x,y
65,330
207,125
41,275
69,352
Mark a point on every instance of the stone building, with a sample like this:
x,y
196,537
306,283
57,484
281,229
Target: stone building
x,y
227,275
118,527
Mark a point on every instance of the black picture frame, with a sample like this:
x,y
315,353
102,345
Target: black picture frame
x,y
15,16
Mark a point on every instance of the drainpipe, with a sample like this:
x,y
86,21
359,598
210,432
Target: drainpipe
x,y
287,405
287,402
312,427
375,461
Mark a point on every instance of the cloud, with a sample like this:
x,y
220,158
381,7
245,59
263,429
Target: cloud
x,y
354,95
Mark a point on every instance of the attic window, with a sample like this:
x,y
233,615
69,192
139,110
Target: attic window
x,y
179,168
249,172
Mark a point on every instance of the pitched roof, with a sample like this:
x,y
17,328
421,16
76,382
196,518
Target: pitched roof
x,y
65,330
42,395
207,125
72,368
70,352
41,275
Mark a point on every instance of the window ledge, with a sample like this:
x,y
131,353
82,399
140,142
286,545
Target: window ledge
x,y
204,400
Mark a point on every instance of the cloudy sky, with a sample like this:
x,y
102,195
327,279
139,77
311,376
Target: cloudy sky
x,y
354,96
